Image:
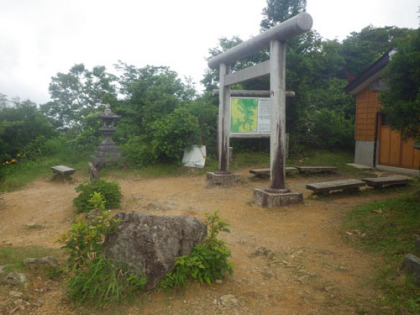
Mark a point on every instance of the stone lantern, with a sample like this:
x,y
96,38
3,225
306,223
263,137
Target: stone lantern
x,y
107,152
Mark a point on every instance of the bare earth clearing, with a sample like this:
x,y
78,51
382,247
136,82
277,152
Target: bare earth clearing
x,y
287,261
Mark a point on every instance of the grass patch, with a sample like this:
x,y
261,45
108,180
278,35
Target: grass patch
x,y
321,158
103,283
390,227
12,257
18,175
338,159
250,159
158,170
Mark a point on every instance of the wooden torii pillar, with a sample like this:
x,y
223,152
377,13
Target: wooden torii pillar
x,y
277,194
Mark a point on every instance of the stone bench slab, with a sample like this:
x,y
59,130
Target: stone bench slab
x,y
326,187
379,182
317,169
264,172
63,170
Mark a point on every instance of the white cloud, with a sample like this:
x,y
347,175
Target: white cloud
x,y
39,38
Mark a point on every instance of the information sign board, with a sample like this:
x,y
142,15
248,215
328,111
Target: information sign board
x,y
250,116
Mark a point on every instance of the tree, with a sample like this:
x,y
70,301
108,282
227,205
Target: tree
x,y
361,49
401,100
160,114
315,71
280,10
77,94
3,101
22,128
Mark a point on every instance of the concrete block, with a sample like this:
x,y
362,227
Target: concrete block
x,y
272,199
223,179
411,264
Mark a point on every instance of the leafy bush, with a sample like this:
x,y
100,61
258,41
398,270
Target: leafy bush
x,y
324,129
207,262
84,240
111,192
166,138
96,280
23,128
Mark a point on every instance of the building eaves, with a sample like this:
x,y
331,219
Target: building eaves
x,y
369,75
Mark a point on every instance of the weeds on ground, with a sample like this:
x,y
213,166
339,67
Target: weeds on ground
x,y
207,262
95,280
390,227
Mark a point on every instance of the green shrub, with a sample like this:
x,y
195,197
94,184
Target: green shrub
x,y
84,240
207,262
96,281
111,191
323,129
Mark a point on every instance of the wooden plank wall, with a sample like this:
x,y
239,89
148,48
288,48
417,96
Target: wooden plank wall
x,y
392,150
367,104
395,152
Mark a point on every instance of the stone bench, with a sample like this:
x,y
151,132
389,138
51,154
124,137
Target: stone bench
x,y
63,171
265,172
380,182
342,185
316,169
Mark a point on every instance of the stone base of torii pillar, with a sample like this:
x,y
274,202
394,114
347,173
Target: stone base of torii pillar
x,y
272,198
222,178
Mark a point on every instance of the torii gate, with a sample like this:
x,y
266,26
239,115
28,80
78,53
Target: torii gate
x,y
277,194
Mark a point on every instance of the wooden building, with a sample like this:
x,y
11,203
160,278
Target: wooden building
x,y
376,144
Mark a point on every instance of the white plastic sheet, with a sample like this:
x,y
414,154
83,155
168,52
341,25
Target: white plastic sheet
x,y
195,156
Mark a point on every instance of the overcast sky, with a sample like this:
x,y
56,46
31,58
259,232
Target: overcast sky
x,y
39,38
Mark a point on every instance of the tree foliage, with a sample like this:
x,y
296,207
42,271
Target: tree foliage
x,y
401,100
160,114
363,48
281,10
317,70
3,101
77,94
23,129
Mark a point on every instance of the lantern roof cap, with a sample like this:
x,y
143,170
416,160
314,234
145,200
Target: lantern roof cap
x,y
108,114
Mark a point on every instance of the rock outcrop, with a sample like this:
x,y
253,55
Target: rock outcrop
x,y
149,244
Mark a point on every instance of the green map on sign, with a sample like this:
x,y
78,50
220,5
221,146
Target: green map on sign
x,y
244,115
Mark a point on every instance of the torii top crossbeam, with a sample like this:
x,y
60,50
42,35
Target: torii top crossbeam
x,y
282,32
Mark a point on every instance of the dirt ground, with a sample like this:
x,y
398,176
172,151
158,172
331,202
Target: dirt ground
x,y
292,260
